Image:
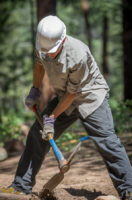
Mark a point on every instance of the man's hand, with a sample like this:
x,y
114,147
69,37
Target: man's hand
x,y
32,97
48,123
63,104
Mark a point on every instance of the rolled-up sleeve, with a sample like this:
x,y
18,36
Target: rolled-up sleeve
x,y
76,77
37,57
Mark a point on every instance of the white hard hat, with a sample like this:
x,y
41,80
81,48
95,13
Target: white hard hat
x,y
51,31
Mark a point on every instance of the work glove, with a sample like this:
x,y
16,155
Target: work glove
x,y
32,98
48,123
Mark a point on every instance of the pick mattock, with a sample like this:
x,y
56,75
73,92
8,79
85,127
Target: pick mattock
x,y
64,165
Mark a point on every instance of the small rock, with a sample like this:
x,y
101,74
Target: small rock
x,y
3,154
14,147
108,197
24,130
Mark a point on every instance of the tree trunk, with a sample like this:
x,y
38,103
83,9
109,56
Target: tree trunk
x,y
44,8
32,28
105,42
85,10
127,48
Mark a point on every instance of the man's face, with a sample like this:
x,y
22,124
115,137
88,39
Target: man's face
x,y
53,55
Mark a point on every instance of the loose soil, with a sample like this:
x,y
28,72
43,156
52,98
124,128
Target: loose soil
x,y
87,178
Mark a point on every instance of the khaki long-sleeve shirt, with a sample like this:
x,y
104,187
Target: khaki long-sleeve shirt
x,y
74,70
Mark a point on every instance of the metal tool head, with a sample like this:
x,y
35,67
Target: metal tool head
x,y
57,178
64,166
51,184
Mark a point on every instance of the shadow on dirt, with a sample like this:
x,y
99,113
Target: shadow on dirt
x,y
84,193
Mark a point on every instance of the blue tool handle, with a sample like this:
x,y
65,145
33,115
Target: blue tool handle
x,y
56,150
60,158
84,138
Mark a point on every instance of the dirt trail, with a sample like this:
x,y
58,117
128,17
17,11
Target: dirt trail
x,y
87,178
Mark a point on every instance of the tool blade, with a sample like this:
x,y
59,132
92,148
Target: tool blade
x,y
51,184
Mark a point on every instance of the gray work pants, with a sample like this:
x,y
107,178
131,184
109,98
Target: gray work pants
x,y
99,126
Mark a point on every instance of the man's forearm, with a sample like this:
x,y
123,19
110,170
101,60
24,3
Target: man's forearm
x,y
38,74
64,103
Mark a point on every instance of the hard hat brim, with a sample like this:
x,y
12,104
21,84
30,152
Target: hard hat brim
x,y
55,48
59,42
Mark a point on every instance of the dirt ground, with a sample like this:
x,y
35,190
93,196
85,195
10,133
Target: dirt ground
x,y
87,178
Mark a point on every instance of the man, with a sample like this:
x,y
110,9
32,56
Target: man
x,y
81,92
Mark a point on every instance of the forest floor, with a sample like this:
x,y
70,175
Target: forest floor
x,y
87,178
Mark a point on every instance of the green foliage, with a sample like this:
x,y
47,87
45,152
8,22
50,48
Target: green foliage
x,y
16,56
15,53
16,43
11,122
122,113
71,13
9,128
64,141
70,137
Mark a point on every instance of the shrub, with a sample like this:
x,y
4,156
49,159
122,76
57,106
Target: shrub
x,y
9,128
122,114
